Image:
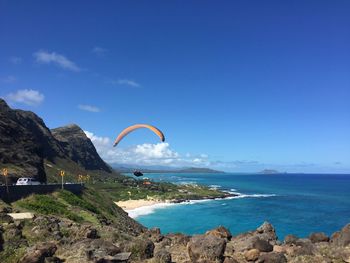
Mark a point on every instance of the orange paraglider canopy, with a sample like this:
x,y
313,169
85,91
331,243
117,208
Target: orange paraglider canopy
x,y
135,127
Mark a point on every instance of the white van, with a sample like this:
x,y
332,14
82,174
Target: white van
x,y
27,181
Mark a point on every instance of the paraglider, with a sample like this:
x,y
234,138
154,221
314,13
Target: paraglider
x,y
138,173
138,126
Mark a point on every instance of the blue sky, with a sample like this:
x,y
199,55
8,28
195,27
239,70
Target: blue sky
x,y
234,85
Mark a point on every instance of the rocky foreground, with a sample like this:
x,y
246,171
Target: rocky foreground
x,y
54,239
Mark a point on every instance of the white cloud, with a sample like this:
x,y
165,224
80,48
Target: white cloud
x,y
15,60
9,79
143,154
99,51
126,82
26,96
89,108
45,57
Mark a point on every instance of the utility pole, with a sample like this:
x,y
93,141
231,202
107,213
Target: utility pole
x,y
62,173
5,174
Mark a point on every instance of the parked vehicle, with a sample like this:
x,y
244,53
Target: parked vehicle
x,y
27,181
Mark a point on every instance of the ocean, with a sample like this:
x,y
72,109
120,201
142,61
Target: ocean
x,y
294,203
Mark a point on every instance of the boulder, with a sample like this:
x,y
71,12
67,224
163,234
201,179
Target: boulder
x,y
262,245
290,239
118,258
5,218
272,258
91,233
38,253
162,256
304,247
220,232
53,260
252,254
242,242
142,249
342,238
267,231
318,237
230,260
206,247
178,239
279,249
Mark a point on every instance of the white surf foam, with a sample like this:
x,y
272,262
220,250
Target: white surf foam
x,y
146,210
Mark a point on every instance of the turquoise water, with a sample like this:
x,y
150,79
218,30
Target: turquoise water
x,y
294,203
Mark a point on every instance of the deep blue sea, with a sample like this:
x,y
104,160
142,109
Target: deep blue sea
x,y
294,203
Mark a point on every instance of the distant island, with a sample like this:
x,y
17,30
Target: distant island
x,y
269,171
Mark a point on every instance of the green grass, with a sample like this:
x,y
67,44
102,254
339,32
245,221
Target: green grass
x,y
48,205
75,200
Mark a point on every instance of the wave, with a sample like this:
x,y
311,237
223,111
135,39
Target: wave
x,y
146,210
239,195
214,186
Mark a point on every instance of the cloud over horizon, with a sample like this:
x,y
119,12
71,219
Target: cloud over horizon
x,y
143,154
26,96
45,57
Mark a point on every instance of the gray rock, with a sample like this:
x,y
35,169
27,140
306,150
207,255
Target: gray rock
x,y
341,238
38,253
162,256
318,237
262,245
290,239
5,218
142,249
220,232
272,258
91,233
206,247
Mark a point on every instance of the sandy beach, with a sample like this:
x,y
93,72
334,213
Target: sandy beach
x,y
133,204
141,207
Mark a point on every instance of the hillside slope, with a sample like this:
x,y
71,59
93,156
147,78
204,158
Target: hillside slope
x,y
29,148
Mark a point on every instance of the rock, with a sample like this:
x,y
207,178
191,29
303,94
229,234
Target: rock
x,y
220,232
162,256
53,260
342,238
267,231
230,260
206,247
91,233
242,242
5,210
262,245
178,239
305,247
39,253
279,249
155,235
272,258
5,218
290,239
318,237
252,254
119,258
142,249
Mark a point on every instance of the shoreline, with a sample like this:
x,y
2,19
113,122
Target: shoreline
x,y
139,207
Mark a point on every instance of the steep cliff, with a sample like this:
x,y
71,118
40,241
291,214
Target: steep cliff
x,y
26,145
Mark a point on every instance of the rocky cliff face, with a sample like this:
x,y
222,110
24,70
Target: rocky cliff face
x,y
79,148
26,143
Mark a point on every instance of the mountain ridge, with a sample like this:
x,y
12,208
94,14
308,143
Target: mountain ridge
x,y
28,147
